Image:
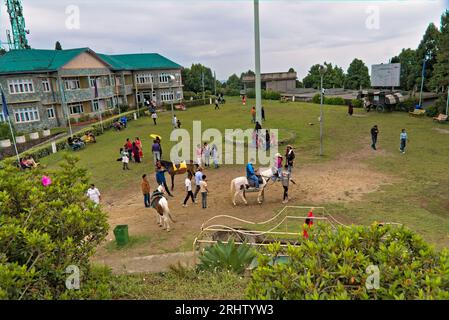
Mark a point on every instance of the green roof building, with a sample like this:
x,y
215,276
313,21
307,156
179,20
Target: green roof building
x,y
46,88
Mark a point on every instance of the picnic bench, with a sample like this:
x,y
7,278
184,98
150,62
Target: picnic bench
x,y
441,117
417,112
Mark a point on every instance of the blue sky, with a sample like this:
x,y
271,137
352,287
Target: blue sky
x,y
220,33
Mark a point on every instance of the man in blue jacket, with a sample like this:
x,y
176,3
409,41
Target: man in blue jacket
x,y
251,174
160,177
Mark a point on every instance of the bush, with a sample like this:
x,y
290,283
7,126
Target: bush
x,y
43,230
356,103
226,257
232,92
271,95
316,98
337,101
332,264
407,105
189,94
437,108
5,132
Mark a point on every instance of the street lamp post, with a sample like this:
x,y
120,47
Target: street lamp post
x,y
323,70
423,75
257,61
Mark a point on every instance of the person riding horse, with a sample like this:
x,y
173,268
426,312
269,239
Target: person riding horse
x,y
253,178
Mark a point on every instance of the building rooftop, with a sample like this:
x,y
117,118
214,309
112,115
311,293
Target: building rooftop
x,y
274,76
37,60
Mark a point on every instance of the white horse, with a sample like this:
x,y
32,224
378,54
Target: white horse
x,y
163,217
238,186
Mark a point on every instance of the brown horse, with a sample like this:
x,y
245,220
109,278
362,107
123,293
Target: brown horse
x,y
174,170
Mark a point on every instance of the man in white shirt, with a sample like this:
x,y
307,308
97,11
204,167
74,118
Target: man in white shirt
x,y
94,194
188,186
198,179
175,121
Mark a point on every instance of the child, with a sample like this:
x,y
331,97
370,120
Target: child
x,y
125,159
285,176
279,164
178,123
403,138
206,152
188,185
204,191
154,117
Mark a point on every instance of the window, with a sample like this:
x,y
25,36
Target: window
x,y
117,80
51,113
95,106
178,77
92,82
107,81
76,108
72,83
178,95
26,114
167,95
164,78
144,78
46,85
20,86
109,103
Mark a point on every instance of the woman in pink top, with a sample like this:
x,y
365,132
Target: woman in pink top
x,y
199,153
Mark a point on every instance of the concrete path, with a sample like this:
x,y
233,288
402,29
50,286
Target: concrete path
x,y
153,263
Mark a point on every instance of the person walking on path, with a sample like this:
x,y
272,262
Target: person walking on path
x,y
145,187
199,154
158,141
216,104
403,138
267,140
154,117
285,176
125,159
188,186
374,133
94,194
160,177
156,150
198,179
206,153
214,153
263,114
204,191
350,109
253,114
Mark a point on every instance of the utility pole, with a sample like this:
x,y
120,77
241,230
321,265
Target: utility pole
x,y
423,75
257,60
322,72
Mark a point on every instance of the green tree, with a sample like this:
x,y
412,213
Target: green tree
x,y
333,78
428,47
58,46
291,70
440,79
45,229
313,78
357,75
233,82
192,78
409,68
332,264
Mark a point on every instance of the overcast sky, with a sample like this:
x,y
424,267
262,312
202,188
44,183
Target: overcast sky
x,y
220,34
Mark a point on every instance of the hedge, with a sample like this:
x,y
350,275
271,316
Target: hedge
x,y
61,144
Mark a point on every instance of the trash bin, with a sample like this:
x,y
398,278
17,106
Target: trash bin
x,y
121,234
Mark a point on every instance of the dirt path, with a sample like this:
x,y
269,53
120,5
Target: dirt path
x,y
341,180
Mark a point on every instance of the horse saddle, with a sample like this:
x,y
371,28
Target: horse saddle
x,y
155,197
180,167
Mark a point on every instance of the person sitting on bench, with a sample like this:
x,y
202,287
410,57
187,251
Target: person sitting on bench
x,y
251,174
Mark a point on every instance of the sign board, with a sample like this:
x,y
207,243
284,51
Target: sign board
x,y
385,75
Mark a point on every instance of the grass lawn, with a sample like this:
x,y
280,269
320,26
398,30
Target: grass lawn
x,y
419,199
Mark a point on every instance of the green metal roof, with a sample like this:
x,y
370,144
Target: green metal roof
x,y
139,61
35,60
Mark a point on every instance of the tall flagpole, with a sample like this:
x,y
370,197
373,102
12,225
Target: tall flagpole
x,y
257,58
5,106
